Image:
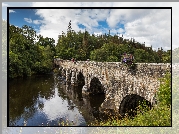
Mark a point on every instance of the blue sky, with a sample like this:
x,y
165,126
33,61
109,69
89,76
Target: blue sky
x,y
152,26
22,17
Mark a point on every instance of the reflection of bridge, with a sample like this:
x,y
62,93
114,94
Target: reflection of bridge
x,y
85,104
115,80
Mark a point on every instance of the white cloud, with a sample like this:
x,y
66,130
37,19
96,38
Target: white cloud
x,y
37,22
57,21
154,29
54,108
120,30
28,20
11,11
151,26
117,31
96,34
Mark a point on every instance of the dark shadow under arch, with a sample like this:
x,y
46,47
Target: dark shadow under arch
x,y
96,86
80,79
131,102
95,102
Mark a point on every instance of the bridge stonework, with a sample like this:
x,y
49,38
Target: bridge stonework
x,y
116,80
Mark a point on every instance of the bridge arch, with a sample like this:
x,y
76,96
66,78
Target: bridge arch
x,y
130,103
96,86
80,79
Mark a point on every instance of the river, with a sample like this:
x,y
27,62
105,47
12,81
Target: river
x,y
45,100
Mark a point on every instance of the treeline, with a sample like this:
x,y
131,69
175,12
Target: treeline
x,y
28,53
83,46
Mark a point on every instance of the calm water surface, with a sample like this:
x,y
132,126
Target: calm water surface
x,y
47,101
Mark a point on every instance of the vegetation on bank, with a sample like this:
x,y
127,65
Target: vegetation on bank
x,y
29,53
159,115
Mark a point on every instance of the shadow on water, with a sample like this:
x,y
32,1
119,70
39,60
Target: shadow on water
x,y
95,102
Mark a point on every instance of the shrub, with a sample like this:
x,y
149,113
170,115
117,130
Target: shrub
x,y
164,93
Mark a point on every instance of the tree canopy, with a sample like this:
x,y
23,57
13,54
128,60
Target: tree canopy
x,y
29,53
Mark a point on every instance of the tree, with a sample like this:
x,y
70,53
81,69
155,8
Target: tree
x,y
29,53
166,57
108,52
140,55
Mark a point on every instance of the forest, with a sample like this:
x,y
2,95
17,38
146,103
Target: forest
x,y
30,53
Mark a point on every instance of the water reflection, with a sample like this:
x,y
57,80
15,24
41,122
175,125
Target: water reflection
x,y
46,101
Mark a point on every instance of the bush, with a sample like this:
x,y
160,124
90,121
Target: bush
x,y
112,59
164,93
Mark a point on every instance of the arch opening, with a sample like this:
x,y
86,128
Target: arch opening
x,y
130,103
80,80
96,87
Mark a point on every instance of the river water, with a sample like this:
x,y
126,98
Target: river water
x,y
46,101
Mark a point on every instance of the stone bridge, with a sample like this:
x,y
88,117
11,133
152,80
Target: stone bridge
x,y
123,87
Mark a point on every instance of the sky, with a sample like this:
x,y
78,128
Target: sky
x,y
152,26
